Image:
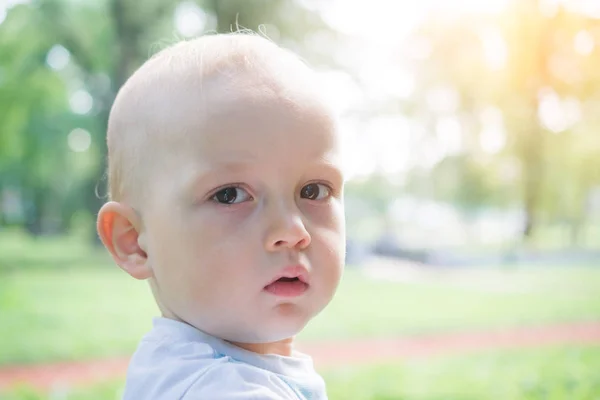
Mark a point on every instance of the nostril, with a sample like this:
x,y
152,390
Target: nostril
x,y
279,243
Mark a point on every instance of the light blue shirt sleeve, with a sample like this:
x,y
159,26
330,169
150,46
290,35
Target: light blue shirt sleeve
x,y
237,381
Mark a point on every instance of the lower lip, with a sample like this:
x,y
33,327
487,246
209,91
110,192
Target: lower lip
x,y
287,289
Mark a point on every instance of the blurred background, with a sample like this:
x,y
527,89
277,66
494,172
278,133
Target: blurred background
x,y
473,202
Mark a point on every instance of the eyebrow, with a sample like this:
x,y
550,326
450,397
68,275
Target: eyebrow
x,y
200,175
331,169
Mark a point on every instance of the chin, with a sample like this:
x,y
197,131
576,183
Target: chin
x,y
275,330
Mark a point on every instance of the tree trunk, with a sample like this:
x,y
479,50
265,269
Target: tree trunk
x,y
35,212
532,162
533,142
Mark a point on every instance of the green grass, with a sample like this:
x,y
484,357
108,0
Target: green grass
x,y
381,308
551,374
71,314
61,300
19,251
541,374
105,391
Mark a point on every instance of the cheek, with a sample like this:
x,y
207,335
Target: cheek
x,y
328,214
220,222
188,268
218,233
176,246
220,243
328,231
328,221
328,239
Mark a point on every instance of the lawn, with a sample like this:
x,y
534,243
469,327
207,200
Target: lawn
x,y
61,300
550,374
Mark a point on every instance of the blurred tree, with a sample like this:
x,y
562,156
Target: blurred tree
x,y
31,117
548,103
539,68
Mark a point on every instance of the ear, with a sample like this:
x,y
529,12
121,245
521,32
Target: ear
x,y
119,229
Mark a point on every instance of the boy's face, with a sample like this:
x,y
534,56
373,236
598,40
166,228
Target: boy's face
x,y
244,192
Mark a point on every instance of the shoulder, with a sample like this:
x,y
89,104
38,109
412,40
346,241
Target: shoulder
x,y
232,380
213,376
165,366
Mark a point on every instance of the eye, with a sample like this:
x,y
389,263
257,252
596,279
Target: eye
x,y
315,191
231,195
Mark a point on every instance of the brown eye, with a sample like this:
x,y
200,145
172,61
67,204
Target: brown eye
x,y
231,195
315,191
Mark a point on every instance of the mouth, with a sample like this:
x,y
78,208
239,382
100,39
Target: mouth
x,y
291,282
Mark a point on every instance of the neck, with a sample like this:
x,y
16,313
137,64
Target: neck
x,y
283,347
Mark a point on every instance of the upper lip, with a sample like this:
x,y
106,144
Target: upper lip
x,y
292,271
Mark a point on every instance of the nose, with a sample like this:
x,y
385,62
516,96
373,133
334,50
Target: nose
x,y
287,232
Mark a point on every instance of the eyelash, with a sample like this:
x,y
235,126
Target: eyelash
x,y
332,191
229,185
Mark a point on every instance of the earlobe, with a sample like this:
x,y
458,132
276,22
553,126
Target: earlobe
x,y
119,229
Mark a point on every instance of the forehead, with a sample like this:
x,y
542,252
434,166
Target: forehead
x,y
254,119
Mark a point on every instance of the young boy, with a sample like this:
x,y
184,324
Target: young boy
x,y
226,196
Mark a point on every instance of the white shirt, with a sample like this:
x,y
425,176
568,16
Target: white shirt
x,y
176,361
